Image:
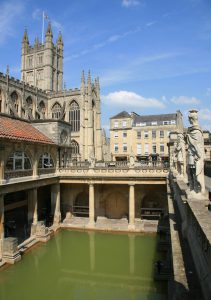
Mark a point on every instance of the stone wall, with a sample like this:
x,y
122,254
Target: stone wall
x,y
196,229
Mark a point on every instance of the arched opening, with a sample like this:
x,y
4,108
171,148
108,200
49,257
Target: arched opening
x,y
45,161
117,206
81,205
15,101
56,111
74,116
42,109
29,103
18,161
75,150
153,202
18,165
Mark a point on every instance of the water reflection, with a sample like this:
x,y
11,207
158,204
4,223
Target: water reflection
x,y
85,265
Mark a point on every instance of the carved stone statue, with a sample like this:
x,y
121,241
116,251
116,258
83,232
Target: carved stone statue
x,y
132,159
92,159
174,157
180,154
195,143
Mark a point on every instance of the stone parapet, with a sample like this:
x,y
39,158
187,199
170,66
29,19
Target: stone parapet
x,y
196,229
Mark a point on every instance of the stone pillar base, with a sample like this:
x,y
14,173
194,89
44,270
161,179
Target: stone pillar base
x,y
42,232
131,227
43,238
90,225
12,259
10,250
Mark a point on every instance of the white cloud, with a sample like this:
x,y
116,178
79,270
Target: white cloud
x,y
112,39
131,71
131,99
128,3
10,13
205,114
185,100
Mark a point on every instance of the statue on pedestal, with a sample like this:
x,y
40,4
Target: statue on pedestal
x,y
132,158
92,159
195,143
180,154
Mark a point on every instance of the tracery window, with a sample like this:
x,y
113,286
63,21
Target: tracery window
x,y
74,116
56,111
14,98
18,161
45,161
74,147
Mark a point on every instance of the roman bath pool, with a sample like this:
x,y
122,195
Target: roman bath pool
x,y
76,265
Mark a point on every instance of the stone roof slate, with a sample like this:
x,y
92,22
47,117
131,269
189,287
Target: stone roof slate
x,y
21,130
151,118
121,115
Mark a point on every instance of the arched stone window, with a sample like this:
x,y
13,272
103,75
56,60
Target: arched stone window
x,y
29,104
45,161
74,116
42,108
18,161
14,98
74,147
56,111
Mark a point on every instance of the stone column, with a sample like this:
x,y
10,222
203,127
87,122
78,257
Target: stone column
x,y
55,204
91,205
35,164
2,152
1,224
32,210
131,225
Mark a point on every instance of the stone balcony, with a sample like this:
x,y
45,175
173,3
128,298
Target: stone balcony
x,y
115,170
100,171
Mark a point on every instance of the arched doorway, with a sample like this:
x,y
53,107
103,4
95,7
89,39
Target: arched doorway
x,y
116,206
81,205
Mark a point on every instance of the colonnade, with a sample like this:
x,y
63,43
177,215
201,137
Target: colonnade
x,y
131,224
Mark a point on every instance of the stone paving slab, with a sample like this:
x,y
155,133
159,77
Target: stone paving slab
x,y
106,224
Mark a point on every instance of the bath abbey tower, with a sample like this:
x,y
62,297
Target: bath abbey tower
x,y
40,95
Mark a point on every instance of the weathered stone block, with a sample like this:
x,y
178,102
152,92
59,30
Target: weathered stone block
x,y
42,232
10,250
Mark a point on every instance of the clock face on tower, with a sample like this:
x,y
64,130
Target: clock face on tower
x,y
63,137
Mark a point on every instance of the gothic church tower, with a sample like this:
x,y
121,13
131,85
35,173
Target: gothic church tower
x,y
42,64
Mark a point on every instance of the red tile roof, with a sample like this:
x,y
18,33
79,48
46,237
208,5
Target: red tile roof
x,y
16,129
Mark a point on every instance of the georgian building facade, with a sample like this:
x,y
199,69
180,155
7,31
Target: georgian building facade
x,y
142,136
39,95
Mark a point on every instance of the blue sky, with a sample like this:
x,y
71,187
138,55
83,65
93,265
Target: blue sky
x,y
152,56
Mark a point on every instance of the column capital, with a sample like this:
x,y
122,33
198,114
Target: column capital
x,y
131,184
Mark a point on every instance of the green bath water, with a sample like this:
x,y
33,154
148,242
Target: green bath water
x,y
86,266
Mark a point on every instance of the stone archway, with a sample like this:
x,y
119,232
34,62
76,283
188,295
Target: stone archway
x,y
116,206
81,205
